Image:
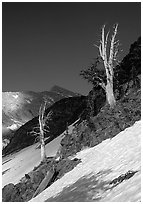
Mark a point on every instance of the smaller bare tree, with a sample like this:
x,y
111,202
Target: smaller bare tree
x,y
42,128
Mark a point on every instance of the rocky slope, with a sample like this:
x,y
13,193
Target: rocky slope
x,y
106,124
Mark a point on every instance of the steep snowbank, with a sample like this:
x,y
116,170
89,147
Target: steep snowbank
x,y
91,179
21,163
15,166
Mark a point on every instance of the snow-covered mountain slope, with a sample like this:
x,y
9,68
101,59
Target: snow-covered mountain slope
x,y
66,111
15,166
20,107
110,171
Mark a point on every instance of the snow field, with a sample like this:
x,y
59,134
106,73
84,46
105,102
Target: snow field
x,y
22,162
114,156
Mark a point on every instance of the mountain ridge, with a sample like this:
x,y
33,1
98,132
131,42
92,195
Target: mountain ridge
x,y
20,107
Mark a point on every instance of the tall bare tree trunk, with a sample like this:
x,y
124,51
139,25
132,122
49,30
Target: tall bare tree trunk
x,y
42,128
110,94
43,150
108,60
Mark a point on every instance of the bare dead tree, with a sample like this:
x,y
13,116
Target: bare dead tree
x,y
42,124
42,128
108,51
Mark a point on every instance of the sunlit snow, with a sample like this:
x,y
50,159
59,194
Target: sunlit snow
x,y
20,163
15,96
100,165
13,127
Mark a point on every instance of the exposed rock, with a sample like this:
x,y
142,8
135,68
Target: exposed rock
x,y
7,192
37,180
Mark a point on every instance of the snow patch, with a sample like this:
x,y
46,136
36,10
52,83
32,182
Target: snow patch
x,y
13,127
15,96
18,123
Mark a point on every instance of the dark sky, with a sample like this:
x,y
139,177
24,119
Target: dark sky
x,y
47,44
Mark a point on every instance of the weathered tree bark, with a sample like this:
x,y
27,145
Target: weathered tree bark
x,y
58,154
110,95
42,123
43,151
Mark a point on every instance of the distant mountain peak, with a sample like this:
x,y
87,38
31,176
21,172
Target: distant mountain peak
x,y
59,89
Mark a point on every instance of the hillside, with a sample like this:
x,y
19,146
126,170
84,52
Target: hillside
x,y
108,172
16,165
65,111
20,107
106,124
